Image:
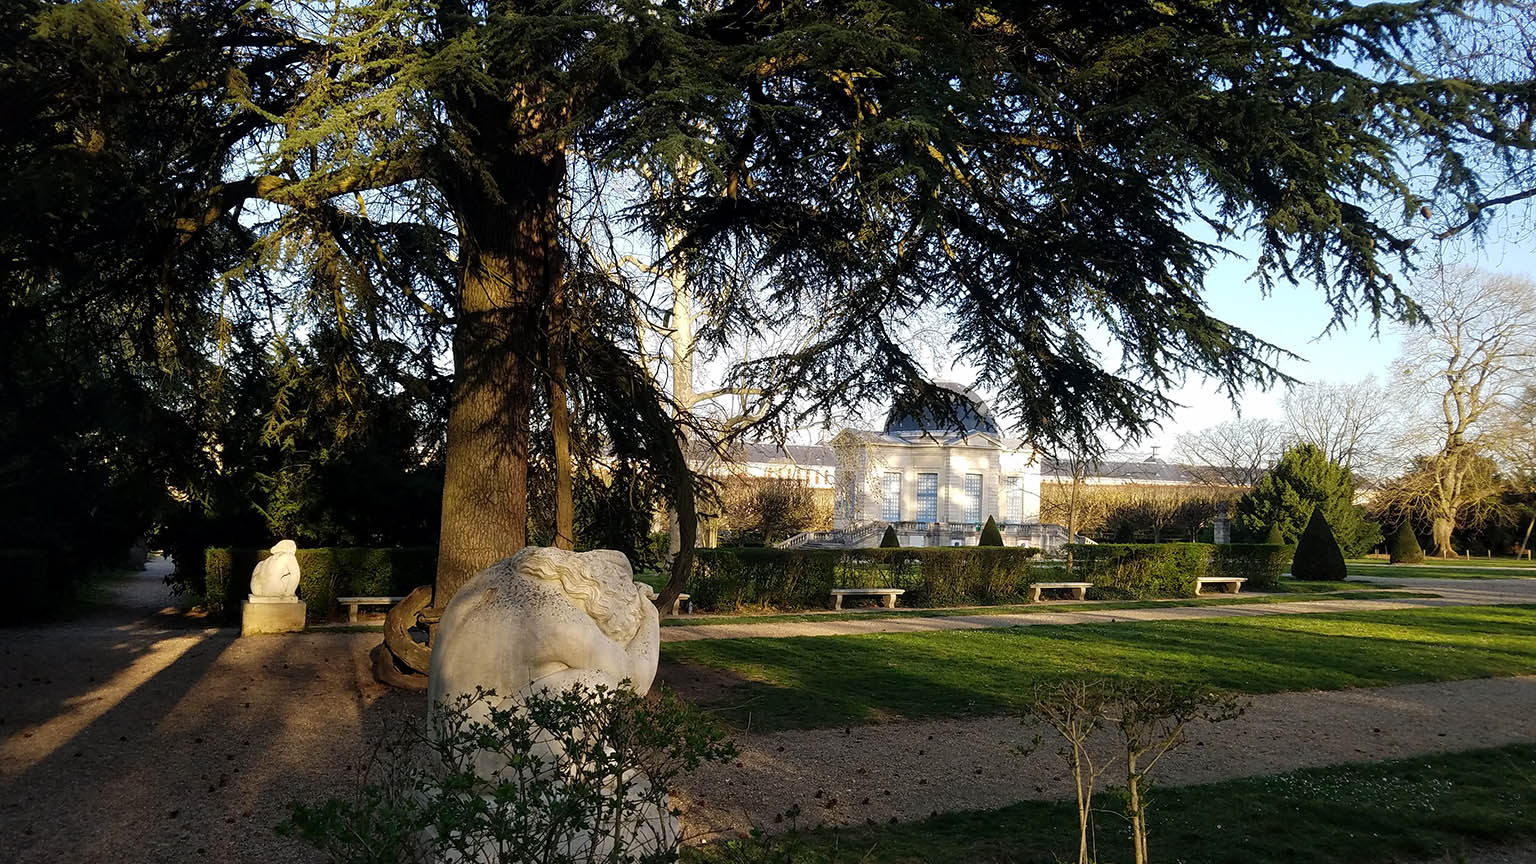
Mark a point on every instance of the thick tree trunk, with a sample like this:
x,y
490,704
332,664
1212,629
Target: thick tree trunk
x,y
1440,532
512,265
560,430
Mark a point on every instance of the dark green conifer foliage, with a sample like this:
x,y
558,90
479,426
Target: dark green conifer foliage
x,y
990,536
889,541
1274,537
1305,479
1317,552
1404,547
437,178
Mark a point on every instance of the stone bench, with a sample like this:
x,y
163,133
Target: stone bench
x,y
353,602
1202,581
677,605
1079,589
890,595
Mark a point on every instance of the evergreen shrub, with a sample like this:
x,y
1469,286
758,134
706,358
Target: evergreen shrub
x,y
990,536
1273,536
888,539
770,578
1404,547
1138,571
1317,553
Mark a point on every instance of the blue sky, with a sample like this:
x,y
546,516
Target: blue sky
x,y
1295,317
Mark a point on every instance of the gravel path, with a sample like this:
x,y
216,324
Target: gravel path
x,y
909,770
137,734
1453,592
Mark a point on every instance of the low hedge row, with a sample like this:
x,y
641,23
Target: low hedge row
x,y
325,574
766,578
1138,571
756,578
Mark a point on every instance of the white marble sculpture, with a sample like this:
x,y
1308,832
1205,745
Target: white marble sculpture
x,y
544,620
276,579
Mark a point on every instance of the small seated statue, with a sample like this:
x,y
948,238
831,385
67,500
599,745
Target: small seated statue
x,y
276,579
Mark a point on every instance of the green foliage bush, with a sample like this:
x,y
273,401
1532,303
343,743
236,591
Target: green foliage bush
x,y
1140,571
1404,547
990,536
1304,479
768,578
1274,537
1318,555
579,776
325,575
1262,564
784,579
888,539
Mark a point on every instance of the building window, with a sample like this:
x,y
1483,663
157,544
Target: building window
x,y
891,510
927,497
1015,499
972,502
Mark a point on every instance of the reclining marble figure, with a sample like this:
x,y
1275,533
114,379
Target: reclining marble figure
x,y
543,620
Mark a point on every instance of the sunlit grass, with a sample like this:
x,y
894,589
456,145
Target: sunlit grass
x,y
834,680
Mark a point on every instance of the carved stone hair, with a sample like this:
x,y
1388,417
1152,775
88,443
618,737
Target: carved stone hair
x,y
612,602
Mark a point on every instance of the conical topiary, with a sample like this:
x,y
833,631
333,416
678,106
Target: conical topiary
x,y
990,536
1404,547
1274,537
1317,552
888,540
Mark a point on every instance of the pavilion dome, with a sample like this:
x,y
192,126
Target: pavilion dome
x,y
970,413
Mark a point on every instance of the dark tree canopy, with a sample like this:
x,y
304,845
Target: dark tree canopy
x,y
419,176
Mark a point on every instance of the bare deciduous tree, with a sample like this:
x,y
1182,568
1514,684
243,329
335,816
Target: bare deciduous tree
x,y
1471,361
1353,424
1233,453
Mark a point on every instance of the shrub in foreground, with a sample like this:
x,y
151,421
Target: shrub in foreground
x,y
578,776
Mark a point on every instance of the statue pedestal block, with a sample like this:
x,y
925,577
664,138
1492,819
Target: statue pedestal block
x,y
271,615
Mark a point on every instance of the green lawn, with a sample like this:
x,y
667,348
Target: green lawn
x,y
832,680
1291,591
1459,562
1452,569
1408,810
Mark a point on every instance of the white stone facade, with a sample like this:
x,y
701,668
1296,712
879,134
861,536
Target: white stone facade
x,y
929,485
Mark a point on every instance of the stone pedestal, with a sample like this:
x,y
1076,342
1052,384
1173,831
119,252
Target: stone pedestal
x,y
271,615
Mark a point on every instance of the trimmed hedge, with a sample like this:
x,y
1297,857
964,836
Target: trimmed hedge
x,y
1262,564
742,578
1140,571
729,579
325,574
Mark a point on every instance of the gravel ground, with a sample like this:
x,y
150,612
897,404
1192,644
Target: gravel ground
x,y
909,770
137,734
